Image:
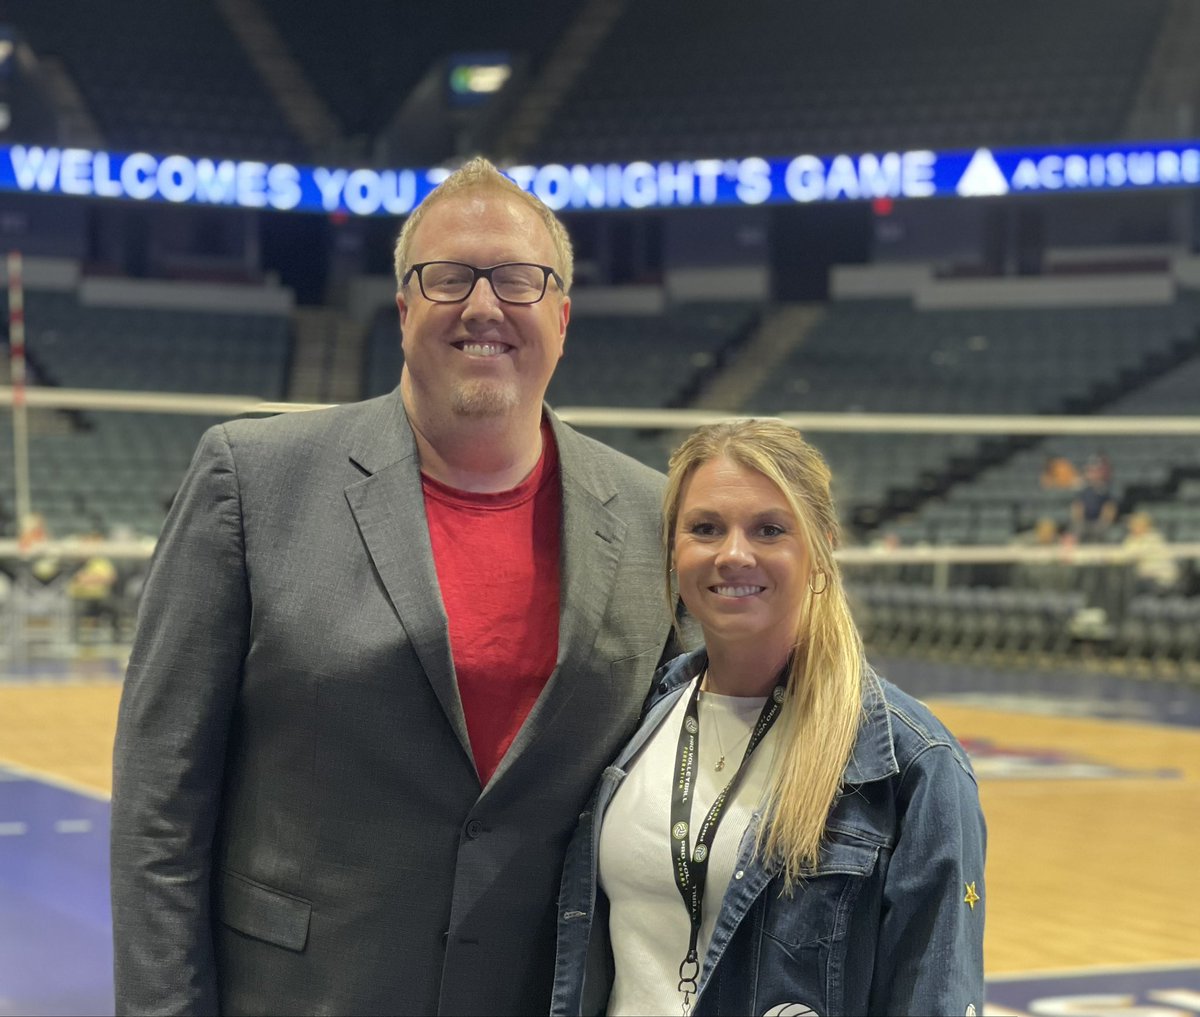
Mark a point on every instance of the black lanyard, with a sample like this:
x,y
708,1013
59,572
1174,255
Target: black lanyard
x,y
691,867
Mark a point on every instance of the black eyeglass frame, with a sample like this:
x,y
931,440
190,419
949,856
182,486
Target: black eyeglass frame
x,y
483,273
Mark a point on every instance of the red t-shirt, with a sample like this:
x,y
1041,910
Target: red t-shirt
x,y
497,561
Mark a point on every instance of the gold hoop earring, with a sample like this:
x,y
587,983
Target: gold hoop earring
x,y
824,582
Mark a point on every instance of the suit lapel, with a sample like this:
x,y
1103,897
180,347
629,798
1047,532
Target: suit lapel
x,y
593,538
390,511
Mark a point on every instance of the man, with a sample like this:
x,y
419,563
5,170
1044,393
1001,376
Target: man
x,y
384,652
1094,509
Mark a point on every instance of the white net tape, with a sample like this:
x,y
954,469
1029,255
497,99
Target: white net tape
x,y
681,420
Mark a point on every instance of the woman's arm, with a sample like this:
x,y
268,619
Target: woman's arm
x,y
929,957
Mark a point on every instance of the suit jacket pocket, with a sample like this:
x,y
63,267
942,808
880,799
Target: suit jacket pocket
x,y
261,912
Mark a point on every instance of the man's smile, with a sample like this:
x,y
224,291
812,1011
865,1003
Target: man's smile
x,y
476,348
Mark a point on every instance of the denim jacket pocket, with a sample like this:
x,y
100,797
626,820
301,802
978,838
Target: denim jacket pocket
x,y
818,907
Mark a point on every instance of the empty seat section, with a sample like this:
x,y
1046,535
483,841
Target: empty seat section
x,y
776,79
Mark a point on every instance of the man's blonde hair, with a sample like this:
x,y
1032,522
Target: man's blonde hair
x,y
479,174
823,708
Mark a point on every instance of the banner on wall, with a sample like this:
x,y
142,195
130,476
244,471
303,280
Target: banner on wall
x,y
752,180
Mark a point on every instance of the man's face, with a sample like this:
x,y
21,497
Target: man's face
x,y
481,357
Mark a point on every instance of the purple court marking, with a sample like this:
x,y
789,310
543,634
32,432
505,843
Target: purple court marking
x,y
1022,763
55,919
1167,990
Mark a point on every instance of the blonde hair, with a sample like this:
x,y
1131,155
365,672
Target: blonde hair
x,y
823,707
479,174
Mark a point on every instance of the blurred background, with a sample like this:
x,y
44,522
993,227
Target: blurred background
x,y
958,245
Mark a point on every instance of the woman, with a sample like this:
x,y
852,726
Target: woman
x,y
786,833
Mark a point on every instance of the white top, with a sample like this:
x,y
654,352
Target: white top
x,y
648,923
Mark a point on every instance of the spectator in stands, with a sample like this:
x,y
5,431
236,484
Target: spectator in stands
x,y
1094,509
383,653
862,891
1093,518
1058,474
92,590
1154,570
34,535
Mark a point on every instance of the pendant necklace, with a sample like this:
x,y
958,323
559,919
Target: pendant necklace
x,y
713,711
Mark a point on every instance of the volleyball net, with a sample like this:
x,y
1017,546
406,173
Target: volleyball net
x,y
673,422
1008,597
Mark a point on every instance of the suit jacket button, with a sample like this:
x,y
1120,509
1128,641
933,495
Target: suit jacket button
x,y
474,828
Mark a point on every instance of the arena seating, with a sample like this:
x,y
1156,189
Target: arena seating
x,y
637,361
1149,473
961,622
110,473
718,79
145,349
106,471
714,80
1028,628
179,81
1162,631
886,356
382,356
1048,614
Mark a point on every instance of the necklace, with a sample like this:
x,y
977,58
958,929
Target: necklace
x,y
720,763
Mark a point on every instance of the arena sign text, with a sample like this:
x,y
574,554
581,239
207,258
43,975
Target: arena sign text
x,y
753,180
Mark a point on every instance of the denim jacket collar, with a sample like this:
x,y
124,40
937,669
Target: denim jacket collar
x,y
874,754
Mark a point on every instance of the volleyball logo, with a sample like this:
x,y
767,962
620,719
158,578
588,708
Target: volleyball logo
x,y
699,854
792,1010
679,830
691,725
777,695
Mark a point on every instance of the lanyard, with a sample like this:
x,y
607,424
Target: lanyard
x,y
691,867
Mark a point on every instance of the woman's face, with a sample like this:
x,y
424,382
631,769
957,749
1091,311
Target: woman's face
x,y
741,562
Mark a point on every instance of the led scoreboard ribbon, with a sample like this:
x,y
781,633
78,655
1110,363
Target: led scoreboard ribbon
x,y
690,183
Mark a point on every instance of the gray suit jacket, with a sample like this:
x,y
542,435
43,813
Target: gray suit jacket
x,y
297,825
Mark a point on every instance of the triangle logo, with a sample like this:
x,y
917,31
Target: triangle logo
x,y
982,178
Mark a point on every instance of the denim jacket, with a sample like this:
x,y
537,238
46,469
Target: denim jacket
x,y
889,922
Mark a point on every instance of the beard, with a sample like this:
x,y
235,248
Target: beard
x,y
483,399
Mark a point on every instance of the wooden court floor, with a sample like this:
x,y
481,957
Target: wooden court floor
x,y
1092,871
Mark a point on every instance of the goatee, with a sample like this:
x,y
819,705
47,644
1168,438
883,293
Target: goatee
x,y
483,399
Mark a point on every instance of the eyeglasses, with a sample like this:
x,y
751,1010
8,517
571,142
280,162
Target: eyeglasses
x,y
451,282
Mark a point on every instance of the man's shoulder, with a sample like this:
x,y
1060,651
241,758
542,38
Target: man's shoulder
x,y
310,430
576,448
